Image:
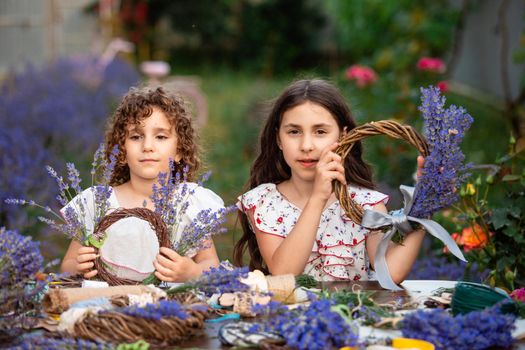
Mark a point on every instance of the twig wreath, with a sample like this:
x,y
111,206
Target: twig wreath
x,y
438,187
156,223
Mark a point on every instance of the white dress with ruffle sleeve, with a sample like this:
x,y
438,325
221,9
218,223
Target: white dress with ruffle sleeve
x,y
339,251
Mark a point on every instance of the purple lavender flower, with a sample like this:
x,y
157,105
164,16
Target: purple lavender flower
x,y
20,261
217,280
444,171
156,311
476,330
316,326
171,200
39,342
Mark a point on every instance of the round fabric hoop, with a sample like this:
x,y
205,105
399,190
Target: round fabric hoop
x,y
157,224
383,127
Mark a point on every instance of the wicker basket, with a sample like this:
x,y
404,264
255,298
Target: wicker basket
x,y
383,127
157,224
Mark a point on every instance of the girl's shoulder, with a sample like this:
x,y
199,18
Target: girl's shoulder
x,y
201,197
366,197
257,196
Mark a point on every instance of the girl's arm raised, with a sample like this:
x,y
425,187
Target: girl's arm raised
x,y
290,254
399,257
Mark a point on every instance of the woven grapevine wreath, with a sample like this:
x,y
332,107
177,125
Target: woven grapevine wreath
x,y
156,223
383,127
117,327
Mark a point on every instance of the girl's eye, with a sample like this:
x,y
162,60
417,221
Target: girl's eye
x,y
293,132
162,137
321,131
134,137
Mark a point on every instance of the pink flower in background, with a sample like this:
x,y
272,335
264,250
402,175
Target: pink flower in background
x,y
363,75
431,64
518,294
443,86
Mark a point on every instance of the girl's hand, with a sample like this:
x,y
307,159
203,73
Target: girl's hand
x,y
329,168
85,261
420,165
172,267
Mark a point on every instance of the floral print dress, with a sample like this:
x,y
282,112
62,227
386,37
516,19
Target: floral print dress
x,y
339,252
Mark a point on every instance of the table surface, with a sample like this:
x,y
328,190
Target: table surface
x,y
209,339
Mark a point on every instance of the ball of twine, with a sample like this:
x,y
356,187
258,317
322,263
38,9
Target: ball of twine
x,y
116,327
156,223
383,127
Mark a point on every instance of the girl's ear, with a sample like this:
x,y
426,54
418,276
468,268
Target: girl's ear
x,y
279,143
345,131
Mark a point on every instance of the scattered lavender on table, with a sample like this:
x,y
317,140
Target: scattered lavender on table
x,y
316,326
476,330
156,311
444,171
216,280
42,342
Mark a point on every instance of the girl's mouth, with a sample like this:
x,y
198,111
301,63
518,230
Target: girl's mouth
x,y
308,163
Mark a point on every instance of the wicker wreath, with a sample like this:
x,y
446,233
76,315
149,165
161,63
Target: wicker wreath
x,y
157,224
383,127
117,327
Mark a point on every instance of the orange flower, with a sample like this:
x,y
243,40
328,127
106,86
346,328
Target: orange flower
x,y
472,237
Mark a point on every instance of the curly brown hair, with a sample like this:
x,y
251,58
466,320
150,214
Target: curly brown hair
x,y
138,105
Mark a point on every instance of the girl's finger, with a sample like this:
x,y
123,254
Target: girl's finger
x,y
86,257
90,274
85,266
86,250
170,253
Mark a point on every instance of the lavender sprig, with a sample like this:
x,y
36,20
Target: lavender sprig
x,y
444,171
476,330
171,200
319,325
216,280
156,311
72,222
20,261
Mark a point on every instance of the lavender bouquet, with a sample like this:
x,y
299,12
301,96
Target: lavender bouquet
x,y
171,199
438,187
73,222
444,171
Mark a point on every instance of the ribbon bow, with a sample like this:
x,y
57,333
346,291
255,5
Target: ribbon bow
x,y
400,221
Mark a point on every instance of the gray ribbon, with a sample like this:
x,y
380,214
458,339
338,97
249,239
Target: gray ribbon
x,y
399,221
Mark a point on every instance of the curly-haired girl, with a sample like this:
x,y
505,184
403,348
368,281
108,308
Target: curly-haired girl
x,y
150,128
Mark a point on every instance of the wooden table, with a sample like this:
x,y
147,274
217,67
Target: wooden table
x,y
209,339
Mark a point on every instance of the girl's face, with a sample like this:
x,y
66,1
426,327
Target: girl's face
x,y
305,131
150,145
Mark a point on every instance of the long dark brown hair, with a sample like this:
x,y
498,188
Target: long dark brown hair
x,y
138,105
269,165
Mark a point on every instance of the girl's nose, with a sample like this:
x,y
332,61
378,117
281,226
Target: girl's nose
x,y
148,144
307,144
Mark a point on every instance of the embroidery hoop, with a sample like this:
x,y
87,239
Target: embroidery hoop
x,y
383,127
156,223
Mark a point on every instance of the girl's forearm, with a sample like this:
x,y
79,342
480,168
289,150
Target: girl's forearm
x,y
401,257
293,253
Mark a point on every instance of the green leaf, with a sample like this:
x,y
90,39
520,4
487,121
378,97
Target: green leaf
x,y
92,241
510,177
499,218
515,212
505,262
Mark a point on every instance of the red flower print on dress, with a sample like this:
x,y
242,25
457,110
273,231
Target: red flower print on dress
x,y
357,277
280,219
